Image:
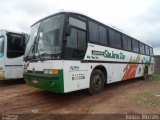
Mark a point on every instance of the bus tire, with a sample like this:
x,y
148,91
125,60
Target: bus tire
x,y
96,82
145,75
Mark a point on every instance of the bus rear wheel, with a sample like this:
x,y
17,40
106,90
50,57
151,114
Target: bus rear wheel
x,y
145,75
96,82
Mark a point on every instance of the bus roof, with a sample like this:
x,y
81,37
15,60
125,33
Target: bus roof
x,y
89,17
11,31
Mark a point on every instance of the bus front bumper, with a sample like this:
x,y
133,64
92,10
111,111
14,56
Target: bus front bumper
x,y
53,83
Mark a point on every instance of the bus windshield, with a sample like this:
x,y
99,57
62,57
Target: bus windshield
x,y
29,47
46,39
1,46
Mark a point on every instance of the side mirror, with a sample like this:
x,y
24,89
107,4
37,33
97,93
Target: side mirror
x,y
68,30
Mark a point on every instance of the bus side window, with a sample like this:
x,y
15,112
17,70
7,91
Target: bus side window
x,y
76,44
81,39
93,32
126,42
77,39
115,39
141,47
147,49
135,45
15,46
112,39
77,23
151,51
103,35
1,46
97,33
118,40
72,39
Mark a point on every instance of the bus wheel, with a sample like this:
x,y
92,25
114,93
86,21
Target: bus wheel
x,y
96,82
145,75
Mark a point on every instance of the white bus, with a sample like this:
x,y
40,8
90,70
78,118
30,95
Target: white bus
x,y
69,51
12,46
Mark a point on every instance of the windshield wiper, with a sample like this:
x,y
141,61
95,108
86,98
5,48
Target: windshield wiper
x,y
33,57
26,57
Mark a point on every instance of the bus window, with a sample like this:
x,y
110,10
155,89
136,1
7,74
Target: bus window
x,y
1,46
77,39
151,51
15,45
103,35
126,42
115,39
141,47
76,44
147,49
118,40
81,39
135,45
72,39
93,32
112,37
77,23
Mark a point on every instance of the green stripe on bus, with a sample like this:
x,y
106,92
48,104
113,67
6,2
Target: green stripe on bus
x,y
45,84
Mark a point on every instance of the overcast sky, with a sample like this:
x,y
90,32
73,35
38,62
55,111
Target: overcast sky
x,y
138,18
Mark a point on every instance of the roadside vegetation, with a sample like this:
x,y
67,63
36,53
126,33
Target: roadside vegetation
x,y
149,98
155,76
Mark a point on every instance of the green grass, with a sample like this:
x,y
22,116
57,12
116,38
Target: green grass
x,y
155,76
148,99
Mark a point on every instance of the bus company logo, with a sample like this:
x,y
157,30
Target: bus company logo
x,y
108,54
97,53
74,68
78,76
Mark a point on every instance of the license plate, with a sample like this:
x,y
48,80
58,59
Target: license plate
x,y
35,81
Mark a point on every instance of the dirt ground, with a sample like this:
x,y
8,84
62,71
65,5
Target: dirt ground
x,y
133,96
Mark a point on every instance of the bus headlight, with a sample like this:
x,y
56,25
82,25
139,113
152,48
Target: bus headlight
x,y
50,71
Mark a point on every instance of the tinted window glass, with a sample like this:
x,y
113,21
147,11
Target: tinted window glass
x,y
77,39
72,39
151,51
141,47
77,23
112,38
118,40
147,49
93,32
81,39
126,42
135,45
115,39
103,35
1,46
15,45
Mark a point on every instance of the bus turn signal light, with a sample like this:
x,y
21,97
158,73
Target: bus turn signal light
x,y
55,72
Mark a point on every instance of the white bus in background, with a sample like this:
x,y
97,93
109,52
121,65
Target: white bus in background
x,y
69,51
12,46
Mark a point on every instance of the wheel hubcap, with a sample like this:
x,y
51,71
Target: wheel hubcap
x,y
97,82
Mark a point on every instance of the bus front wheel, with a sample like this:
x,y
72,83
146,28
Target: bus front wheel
x,y
96,82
